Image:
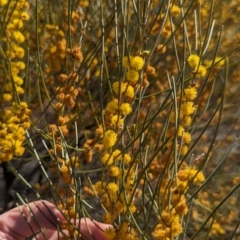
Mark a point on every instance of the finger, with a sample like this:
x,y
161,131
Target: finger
x,y
51,234
92,230
28,219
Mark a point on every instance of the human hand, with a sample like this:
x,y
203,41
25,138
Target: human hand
x,y
26,220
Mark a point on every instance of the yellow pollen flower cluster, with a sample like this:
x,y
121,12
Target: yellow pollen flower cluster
x,y
188,175
115,113
168,227
116,162
56,50
14,116
66,92
113,201
218,62
123,88
187,108
66,173
187,137
116,120
191,174
133,64
184,114
113,107
14,51
13,123
119,87
126,158
217,229
117,155
121,232
198,69
175,10
110,233
180,205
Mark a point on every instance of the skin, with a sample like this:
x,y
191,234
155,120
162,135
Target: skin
x,y
14,226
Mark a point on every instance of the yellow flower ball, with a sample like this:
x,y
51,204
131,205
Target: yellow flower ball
x,y
176,229
199,178
126,61
180,131
187,108
112,188
187,137
18,36
99,186
137,63
193,60
20,65
175,10
200,71
17,80
186,121
109,139
182,186
65,169
117,155
125,108
107,159
18,152
119,87
110,233
183,175
129,93
114,171
127,158
112,106
184,150
132,76
108,217
219,61
19,52
25,16
7,97
190,93
17,23
159,233
116,120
